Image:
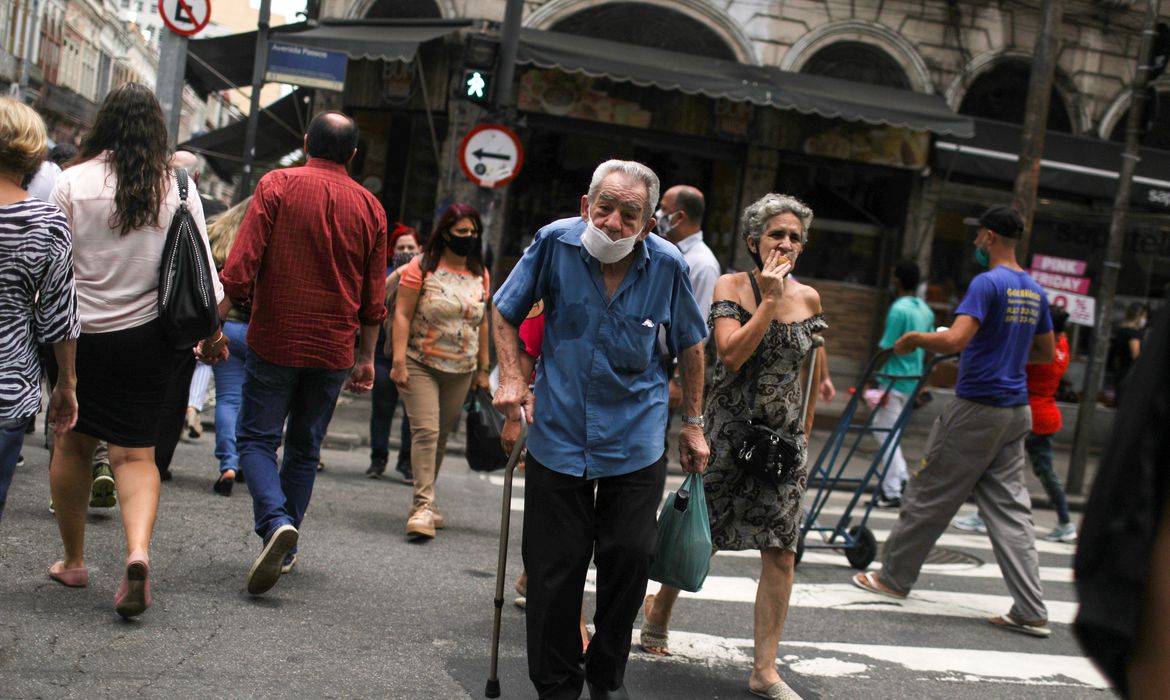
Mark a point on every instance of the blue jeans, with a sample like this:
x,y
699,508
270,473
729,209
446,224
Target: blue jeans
x,y
11,442
229,387
305,397
384,400
1039,449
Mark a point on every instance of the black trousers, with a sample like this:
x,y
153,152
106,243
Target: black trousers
x,y
568,521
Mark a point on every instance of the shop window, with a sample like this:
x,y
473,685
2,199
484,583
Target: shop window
x,y
1002,94
404,9
652,26
858,62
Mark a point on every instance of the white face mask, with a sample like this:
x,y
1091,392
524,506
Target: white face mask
x,y
664,227
605,248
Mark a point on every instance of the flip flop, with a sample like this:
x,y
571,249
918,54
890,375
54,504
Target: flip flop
x,y
868,581
1038,628
655,637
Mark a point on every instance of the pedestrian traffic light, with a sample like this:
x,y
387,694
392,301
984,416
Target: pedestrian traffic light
x,y
476,85
479,66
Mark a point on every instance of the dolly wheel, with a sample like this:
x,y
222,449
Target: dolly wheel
x,y
864,549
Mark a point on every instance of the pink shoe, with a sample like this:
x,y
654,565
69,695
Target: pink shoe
x,y
133,596
73,578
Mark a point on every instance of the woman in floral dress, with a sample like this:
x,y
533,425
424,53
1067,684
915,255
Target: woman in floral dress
x,y
763,323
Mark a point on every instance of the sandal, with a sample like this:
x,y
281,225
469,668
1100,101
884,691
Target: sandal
x,y
868,581
655,636
1036,628
777,691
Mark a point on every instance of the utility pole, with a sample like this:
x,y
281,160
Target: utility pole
x,y
501,103
259,66
172,63
1095,372
1036,120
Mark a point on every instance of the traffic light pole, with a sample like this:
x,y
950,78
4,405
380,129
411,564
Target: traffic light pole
x,y
1095,373
509,42
259,66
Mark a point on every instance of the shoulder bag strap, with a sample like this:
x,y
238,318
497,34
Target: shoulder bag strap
x,y
181,176
754,359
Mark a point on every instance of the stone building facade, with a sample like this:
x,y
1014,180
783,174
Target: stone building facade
x,y
976,56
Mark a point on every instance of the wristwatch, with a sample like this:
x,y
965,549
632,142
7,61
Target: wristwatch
x,y
694,420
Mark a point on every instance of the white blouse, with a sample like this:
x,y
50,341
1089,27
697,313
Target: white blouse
x,y
117,276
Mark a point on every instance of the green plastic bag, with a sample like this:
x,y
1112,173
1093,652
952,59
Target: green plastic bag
x,y
682,555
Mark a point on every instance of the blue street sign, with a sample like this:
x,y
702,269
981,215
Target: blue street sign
x,y
306,66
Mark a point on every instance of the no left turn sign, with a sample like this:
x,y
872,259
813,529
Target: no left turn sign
x,y
186,17
491,155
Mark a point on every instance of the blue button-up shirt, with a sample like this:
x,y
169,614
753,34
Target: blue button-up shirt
x,y
601,389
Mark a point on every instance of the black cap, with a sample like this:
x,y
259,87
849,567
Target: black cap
x,y
999,219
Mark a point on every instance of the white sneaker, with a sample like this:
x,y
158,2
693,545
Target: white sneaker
x,y
1066,533
971,523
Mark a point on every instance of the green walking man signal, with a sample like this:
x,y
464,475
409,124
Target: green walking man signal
x,y
477,85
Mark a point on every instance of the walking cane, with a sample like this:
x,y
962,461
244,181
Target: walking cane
x,y
817,342
493,683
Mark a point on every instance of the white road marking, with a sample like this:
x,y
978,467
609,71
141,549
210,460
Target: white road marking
x,y
962,665
1052,574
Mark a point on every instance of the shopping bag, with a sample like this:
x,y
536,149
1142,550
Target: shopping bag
x,y
484,423
682,555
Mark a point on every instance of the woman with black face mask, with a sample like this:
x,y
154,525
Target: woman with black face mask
x,y
440,343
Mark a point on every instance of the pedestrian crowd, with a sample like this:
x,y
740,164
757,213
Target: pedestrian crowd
x,y
612,320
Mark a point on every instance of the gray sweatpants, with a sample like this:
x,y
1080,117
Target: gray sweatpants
x,y
980,448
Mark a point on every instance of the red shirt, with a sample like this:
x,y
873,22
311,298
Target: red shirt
x,y
1043,381
311,258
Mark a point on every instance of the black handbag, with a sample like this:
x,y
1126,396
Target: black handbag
x,y
187,308
766,455
484,424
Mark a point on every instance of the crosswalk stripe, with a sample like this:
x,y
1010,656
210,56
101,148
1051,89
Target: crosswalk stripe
x,y
846,596
823,660
1051,574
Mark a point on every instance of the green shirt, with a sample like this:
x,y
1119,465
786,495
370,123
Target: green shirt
x,y
908,313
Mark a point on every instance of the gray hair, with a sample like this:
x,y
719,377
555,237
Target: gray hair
x,y
760,212
632,169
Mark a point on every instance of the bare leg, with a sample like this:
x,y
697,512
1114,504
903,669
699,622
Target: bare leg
x,y
1149,674
658,609
137,480
70,478
772,595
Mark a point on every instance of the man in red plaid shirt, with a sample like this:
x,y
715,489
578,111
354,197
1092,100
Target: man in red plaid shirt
x,y
310,257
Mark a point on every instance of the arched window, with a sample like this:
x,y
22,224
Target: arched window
x,y
404,9
1002,94
642,24
858,62
1156,130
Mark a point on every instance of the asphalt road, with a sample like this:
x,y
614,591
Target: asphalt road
x,y
367,614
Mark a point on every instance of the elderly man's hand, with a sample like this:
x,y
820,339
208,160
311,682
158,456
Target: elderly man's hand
x,y
693,451
511,396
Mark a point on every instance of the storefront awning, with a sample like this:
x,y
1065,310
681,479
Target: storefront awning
x,y
761,85
225,62
1071,164
280,131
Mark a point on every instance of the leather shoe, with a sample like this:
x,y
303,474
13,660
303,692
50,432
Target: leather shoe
x,y
223,485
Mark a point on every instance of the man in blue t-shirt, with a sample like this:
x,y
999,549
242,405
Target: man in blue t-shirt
x,y
977,444
908,313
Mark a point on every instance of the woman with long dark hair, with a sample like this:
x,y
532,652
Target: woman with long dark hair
x,y
119,200
440,345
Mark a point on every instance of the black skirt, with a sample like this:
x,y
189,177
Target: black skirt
x,y
122,378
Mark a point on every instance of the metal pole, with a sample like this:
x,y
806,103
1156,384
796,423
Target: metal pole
x,y
172,64
509,41
1036,120
259,66
1095,372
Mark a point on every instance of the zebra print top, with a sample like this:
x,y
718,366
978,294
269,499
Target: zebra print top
x,y
37,299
